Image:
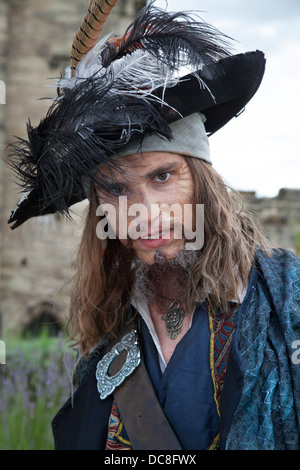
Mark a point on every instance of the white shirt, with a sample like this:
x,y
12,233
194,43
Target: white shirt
x,y
141,306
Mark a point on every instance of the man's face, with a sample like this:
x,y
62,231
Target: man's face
x,y
143,195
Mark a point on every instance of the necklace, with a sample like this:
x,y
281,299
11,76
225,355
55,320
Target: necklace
x,y
174,319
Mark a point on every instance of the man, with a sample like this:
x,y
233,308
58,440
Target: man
x,y
187,321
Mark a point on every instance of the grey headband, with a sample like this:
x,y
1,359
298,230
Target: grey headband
x,y
189,138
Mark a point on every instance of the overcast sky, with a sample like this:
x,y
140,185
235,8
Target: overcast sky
x,y
260,150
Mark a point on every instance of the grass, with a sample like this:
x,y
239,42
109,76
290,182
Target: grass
x,y
34,383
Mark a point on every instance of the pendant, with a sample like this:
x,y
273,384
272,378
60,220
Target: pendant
x,y
174,319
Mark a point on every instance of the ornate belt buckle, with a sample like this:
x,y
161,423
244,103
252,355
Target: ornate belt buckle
x,y
106,384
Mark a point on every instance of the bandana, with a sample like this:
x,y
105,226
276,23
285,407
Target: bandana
x,y
189,138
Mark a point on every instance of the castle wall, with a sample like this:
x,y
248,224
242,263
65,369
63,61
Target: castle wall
x,y
279,217
37,258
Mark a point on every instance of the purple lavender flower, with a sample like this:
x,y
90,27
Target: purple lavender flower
x,y
34,384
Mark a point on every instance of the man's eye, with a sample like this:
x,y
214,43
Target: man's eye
x,y
117,189
163,176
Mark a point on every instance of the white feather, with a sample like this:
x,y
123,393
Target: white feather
x,y
137,74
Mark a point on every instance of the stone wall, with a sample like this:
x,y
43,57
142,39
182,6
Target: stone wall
x,y
37,258
279,216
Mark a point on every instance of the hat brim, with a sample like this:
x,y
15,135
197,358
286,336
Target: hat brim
x,y
220,94
219,91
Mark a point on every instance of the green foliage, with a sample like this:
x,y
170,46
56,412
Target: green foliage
x,y
34,384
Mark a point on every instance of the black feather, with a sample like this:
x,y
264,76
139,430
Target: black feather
x,y
100,115
175,38
81,131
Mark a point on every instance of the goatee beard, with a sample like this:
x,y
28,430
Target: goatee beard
x,y
165,279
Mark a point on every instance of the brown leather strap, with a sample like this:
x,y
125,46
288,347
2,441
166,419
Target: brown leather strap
x,y
141,412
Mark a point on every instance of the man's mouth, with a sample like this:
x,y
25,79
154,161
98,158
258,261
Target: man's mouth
x,y
153,241
156,236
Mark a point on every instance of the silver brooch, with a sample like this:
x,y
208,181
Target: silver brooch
x,y
106,384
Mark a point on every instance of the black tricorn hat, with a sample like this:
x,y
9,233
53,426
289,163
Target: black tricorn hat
x,y
122,90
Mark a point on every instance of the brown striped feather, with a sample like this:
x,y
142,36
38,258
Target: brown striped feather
x,y
90,29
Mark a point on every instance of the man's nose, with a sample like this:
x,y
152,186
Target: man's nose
x,y
144,210
145,195
146,198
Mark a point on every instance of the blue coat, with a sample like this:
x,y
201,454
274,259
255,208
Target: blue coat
x,y
260,403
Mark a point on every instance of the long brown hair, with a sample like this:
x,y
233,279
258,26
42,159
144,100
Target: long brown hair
x,y
100,298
